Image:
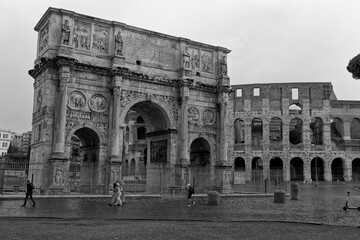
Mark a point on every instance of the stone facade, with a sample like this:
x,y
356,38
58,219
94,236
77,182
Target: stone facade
x,y
90,73
292,127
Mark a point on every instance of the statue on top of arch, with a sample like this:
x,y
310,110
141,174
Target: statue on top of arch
x,y
222,66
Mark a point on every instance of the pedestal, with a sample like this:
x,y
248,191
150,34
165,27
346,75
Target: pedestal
x,y
222,178
60,172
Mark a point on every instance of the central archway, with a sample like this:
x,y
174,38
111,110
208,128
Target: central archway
x,y
200,164
147,145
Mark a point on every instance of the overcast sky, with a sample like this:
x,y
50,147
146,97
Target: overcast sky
x,y
270,40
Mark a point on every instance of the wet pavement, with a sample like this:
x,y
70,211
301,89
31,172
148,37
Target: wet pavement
x,y
318,205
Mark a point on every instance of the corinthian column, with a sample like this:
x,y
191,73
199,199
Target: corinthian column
x,y
116,140
184,149
223,101
60,113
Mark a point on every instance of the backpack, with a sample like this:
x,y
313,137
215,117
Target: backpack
x,y
192,191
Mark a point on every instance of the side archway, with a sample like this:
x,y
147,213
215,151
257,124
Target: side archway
x,y
239,171
276,170
317,169
296,169
200,164
87,165
355,167
337,169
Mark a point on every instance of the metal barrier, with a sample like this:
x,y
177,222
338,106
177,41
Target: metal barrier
x,y
14,172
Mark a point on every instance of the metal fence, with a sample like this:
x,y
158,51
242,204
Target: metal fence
x,y
92,179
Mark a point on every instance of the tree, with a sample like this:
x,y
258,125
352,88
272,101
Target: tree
x,y
354,67
13,149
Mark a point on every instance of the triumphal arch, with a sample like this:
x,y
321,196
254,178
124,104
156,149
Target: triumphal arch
x,y
90,73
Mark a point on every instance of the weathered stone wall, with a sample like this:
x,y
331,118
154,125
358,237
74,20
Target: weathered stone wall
x,y
317,100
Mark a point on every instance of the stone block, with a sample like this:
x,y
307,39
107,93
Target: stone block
x,y
213,198
294,191
279,196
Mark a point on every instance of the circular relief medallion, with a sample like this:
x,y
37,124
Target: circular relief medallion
x,y
208,117
76,100
98,103
193,115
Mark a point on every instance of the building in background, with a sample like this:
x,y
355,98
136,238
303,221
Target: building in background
x,y
25,141
5,140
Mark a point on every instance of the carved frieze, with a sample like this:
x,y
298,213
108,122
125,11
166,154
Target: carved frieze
x,y
206,62
195,127
81,36
98,103
76,100
44,37
193,115
79,115
101,39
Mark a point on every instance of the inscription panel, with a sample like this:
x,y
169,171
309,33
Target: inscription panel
x,y
151,49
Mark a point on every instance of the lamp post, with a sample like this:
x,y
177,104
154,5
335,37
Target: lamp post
x,y
315,138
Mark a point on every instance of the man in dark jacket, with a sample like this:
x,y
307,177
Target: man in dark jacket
x,y
190,192
29,191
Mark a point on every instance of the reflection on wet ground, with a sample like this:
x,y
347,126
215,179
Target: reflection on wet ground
x,y
322,204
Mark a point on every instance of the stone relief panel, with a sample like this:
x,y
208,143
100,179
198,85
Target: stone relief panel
x,y
76,100
206,62
81,36
128,96
196,127
44,37
150,49
193,115
194,58
59,175
98,103
115,173
39,99
101,39
71,124
208,117
170,103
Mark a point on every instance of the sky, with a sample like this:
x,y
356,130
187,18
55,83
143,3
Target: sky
x,y
270,40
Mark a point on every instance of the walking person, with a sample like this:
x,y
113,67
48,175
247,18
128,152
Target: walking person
x,y
29,191
116,197
190,192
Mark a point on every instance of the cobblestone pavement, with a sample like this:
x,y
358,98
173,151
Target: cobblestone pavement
x,y
322,205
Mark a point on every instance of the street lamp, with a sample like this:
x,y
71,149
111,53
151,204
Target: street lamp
x,y
315,139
